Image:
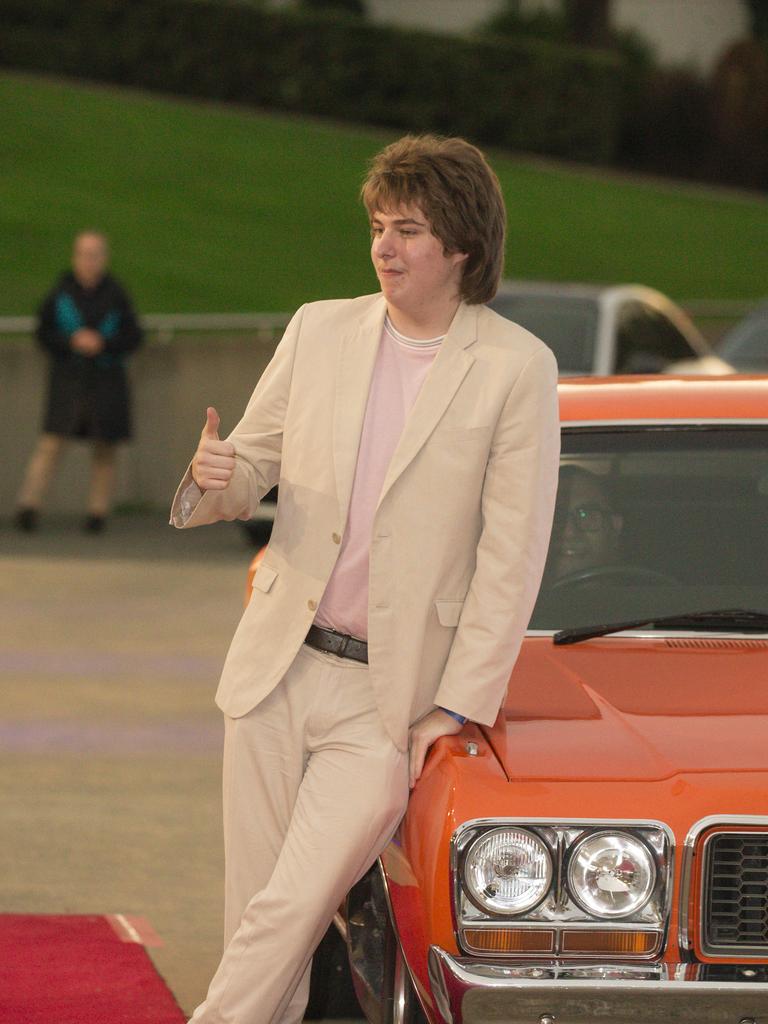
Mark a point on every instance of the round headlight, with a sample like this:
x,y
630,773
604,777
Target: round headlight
x,y
611,874
507,870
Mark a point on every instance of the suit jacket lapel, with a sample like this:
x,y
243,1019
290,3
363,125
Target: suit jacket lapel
x,y
440,385
357,356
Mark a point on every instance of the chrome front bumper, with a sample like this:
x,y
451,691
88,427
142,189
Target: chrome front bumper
x,y
470,992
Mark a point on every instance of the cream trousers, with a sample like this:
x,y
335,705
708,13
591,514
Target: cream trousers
x,y
314,788
42,466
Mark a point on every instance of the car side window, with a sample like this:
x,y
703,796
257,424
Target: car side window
x,y
647,340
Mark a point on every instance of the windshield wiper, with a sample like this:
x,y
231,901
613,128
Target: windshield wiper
x,y
745,620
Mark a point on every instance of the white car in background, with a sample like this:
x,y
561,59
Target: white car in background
x,y
609,329
593,330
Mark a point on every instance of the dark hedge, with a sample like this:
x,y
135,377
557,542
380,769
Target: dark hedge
x,y
531,95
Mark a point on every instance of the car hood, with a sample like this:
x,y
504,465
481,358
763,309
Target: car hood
x,y
620,708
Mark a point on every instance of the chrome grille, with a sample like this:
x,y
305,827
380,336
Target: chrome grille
x,y
735,904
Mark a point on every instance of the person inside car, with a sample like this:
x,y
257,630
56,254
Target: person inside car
x,y
586,533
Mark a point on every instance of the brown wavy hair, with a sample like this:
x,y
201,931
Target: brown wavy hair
x,y
452,183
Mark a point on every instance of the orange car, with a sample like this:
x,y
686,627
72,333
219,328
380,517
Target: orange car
x,y
601,853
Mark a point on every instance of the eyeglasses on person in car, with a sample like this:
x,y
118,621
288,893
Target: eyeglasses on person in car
x,y
586,518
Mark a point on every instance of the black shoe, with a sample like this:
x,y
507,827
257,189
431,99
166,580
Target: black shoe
x,y
94,524
25,519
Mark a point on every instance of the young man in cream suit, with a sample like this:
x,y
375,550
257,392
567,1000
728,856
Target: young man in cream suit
x,y
414,434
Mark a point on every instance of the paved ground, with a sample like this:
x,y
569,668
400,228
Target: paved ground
x,y
110,743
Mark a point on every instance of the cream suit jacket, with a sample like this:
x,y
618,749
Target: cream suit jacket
x,y
462,525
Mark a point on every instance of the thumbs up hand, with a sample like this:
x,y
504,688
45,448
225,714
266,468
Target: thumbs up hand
x,y
214,460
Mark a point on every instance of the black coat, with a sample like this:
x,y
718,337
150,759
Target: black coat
x,y
88,396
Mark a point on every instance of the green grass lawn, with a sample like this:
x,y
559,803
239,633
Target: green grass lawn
x,y
214,208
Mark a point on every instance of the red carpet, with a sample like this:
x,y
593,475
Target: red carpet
x,y
79,970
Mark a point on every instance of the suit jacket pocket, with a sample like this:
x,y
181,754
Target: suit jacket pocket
x,y
264,577
448,612
474,435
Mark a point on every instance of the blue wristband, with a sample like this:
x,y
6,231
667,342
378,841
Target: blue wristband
x,y
454,714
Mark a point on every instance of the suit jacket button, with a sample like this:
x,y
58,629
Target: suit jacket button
x,y
311,605
336,538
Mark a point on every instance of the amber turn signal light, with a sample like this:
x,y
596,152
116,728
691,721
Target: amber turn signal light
x,y
510,940
620,943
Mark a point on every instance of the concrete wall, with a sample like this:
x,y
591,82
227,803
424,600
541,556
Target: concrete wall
x,y
694,33
173,384
687,32
435,15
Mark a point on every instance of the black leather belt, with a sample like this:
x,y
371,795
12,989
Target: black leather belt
x,y
340,644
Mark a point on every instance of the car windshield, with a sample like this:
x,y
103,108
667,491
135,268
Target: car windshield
x,y
657,521
746,347
567,324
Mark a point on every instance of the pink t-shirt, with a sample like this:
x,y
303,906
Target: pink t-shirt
x,y
401,366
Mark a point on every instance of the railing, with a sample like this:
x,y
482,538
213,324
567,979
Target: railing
x,y
165,325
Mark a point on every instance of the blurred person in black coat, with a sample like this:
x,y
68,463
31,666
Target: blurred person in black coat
x,y
88,327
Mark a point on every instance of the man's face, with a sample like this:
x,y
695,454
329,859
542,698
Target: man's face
x,y
585,533
89,259
414,272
